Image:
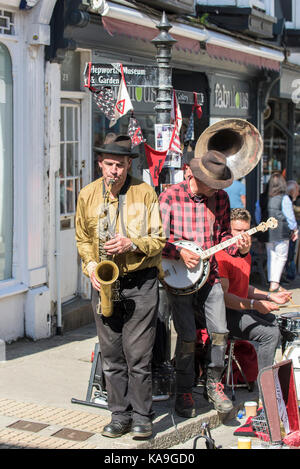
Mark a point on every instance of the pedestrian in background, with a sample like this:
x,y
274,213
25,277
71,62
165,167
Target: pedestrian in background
x,y
291,270
237,194
280,207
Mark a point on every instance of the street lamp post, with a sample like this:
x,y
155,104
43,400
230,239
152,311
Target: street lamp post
x,y
164,43
163,106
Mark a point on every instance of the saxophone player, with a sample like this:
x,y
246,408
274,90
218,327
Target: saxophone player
x,y
118,218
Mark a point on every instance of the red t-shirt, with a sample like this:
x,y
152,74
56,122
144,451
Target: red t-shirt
x,y
236,270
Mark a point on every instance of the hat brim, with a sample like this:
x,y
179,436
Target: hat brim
x,y
120,152
209,181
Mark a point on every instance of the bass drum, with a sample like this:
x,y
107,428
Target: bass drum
x,y
293,353
180,280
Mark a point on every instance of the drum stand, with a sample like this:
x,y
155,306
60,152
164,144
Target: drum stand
x,y
229,371
99,398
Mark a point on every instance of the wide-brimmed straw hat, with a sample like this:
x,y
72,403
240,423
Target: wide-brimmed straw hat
x,y
118,145
212,170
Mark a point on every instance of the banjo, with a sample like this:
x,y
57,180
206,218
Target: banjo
x,y
180,280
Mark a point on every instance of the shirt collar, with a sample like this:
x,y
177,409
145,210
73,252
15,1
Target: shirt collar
x,y
195,197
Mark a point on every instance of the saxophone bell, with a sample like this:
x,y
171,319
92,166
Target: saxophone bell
x,y
107,273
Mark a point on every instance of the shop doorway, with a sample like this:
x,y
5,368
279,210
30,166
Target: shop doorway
x,y
70,185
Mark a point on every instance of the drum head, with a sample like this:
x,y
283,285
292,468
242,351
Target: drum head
x,y
294,315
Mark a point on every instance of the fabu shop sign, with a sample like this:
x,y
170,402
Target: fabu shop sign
x,y
230,99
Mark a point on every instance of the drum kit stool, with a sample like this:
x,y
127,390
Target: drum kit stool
x,y
290,322
228,371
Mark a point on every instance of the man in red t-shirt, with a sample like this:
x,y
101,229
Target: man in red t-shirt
x,y
248,309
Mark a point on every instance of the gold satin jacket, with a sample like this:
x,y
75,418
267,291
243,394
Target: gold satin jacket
x,y
137,216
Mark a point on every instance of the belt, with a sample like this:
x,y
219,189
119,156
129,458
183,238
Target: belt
x,y
138,277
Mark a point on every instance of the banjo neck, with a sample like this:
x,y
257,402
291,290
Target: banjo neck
x,y
211,251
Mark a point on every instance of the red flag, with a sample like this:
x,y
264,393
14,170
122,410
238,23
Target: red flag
x,y
156,160
197,107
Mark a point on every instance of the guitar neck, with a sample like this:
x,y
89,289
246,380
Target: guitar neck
x,y
211,251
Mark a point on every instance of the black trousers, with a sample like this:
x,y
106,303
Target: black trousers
x,y
126,342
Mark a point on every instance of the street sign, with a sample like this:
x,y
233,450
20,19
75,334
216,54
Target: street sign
x,y
98,75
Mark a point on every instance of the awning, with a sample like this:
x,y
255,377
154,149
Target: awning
x,y
219,45
120,19
220,52
123,28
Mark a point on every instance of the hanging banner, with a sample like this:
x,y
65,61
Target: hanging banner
x,y
155,160
123,103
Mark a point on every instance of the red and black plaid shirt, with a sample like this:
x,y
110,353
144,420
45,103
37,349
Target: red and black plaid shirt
x,y
195,218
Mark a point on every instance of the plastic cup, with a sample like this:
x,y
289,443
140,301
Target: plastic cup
x,y
244,443
250,408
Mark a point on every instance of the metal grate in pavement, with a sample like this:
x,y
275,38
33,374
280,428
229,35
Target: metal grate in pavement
x,y
71,434
28,426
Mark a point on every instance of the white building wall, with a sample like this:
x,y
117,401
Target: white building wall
x,y
25,303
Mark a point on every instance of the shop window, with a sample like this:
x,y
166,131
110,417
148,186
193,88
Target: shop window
x,y
69,157
275,150
6,164
296,157
7,23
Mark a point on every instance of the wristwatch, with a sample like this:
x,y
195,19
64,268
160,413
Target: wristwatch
x,y
251,303
133,247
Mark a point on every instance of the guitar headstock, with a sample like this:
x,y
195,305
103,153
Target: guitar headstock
x,y
271,223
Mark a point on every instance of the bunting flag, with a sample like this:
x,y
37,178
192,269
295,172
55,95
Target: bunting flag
x,y
190,134
176,116
104,100
135,132
174,151
175,145
156,161
123,103
197,107
27,4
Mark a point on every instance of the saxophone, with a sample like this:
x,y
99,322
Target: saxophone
x,y
107,271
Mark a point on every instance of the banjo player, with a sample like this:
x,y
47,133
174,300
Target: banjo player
x,y
198,210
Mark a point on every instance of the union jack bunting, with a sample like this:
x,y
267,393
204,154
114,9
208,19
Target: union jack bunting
x,y
135,132
190,134
104,100
176,112
175,145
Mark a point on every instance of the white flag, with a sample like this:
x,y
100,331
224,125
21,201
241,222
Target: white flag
x,y
123,103
176,116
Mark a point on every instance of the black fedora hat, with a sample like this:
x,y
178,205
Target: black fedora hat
x,y
118,145
212,170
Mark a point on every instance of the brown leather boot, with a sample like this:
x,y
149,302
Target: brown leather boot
x,y
185,405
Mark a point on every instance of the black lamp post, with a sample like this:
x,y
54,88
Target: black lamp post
x,y
163,106
164,43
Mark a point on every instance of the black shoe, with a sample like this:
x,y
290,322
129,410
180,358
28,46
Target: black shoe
x,y
116,429
185,405
141,430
